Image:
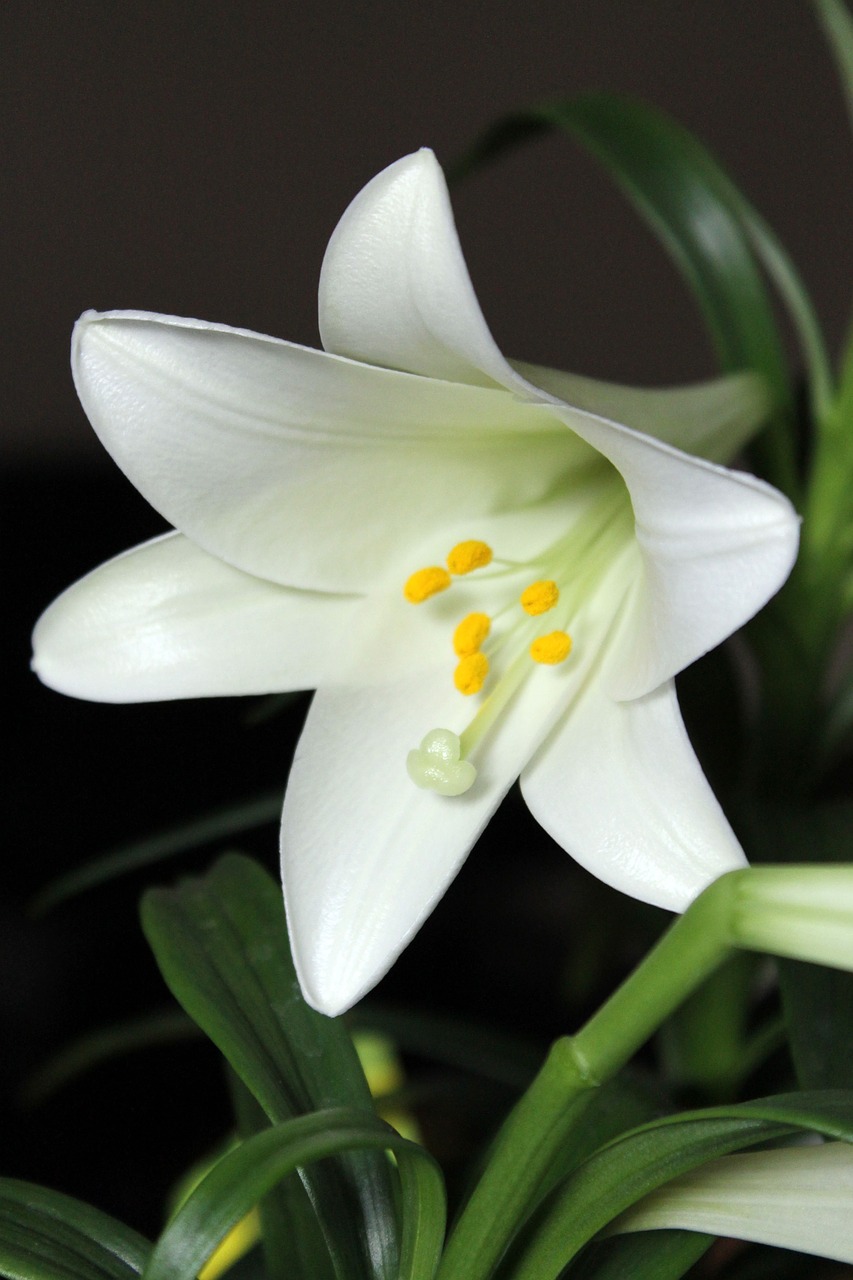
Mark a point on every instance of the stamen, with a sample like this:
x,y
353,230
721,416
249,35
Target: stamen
x,y
436,765
552,648
466,556
539,597
425,583
470,634
470,675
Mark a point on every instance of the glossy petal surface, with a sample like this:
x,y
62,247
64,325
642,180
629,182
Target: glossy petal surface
x,y
394,288
794,1198
618,786
715,546
167,620
295,465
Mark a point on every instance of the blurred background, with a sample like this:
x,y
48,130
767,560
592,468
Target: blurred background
x,y
192,158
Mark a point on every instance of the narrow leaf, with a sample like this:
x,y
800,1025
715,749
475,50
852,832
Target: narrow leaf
x,y
838,26
167,1026
221,944
709,229
293,1241
218,825
665,1255
639,1162
48,1236
250,1171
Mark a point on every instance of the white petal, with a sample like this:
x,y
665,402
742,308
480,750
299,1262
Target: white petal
x,y
712,419
618,786
295,465
715,546
365,853
793,1198
166,620
394,288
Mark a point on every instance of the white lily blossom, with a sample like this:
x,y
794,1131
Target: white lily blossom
x,y
793,1198
345,519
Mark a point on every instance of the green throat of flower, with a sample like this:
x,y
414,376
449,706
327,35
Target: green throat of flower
x,y
532,629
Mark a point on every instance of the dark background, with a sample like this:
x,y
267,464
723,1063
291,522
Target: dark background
x,y
192,158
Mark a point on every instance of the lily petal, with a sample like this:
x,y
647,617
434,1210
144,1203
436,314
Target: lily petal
x,y
715,546
298,466
712,419
793,1198
166,620
366,854
618,786
394,287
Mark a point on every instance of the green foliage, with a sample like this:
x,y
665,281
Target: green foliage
x,y
249,1171
221,944
219,824
625,1170
48,1236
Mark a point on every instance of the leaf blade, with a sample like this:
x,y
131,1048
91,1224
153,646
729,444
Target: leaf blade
x,y
248,1172
221,944
45,1235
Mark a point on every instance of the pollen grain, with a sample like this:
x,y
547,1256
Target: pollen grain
x,y
469,555
425,583
539,597
470,634
551,649
470,674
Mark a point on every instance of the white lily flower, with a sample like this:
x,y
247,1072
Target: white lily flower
x,y
793,1198
311,487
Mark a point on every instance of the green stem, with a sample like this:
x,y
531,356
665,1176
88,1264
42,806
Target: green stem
x,y
540,1124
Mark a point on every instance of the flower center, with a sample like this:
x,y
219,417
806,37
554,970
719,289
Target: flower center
x,y
529,630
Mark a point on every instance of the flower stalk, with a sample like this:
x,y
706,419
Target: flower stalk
x,y
805,912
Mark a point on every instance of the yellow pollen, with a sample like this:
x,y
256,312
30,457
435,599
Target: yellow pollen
x,y
425,583
469,555
552,648
471,673
539,597
471,633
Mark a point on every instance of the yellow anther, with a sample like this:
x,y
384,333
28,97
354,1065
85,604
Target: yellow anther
x,y
469,555
425,583
552,648
471,673
471,633
539,597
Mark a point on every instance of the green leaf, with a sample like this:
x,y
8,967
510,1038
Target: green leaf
x,y
250,1171
166,1026
838,26
658,1255
293,1242
48,1236
639,1162
709,229
218,825
221,943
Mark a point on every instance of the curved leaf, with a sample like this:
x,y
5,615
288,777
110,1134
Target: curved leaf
x,y
838,27
166,1026
249,1171
217,825
221,943
659,1255
626,1170
710,230
48,1236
